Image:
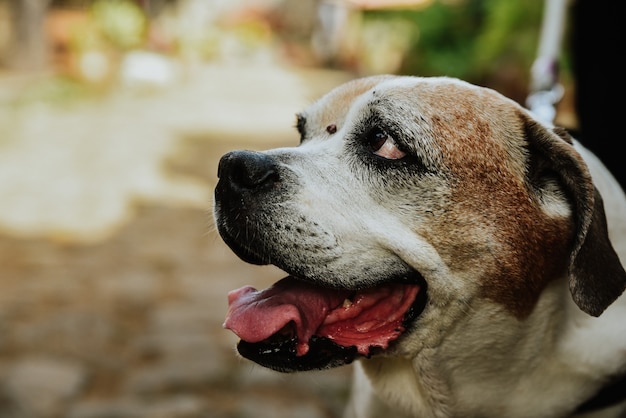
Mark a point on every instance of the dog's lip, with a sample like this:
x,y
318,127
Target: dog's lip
x,y
244,252
296,311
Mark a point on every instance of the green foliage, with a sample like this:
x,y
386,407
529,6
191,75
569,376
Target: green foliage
x,y
470,39
510,33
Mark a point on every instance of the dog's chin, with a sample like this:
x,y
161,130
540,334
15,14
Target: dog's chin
x,y
280,354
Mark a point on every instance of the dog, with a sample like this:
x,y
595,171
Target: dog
x,y
439,234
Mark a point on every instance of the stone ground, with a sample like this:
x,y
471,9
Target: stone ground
x,y
113,280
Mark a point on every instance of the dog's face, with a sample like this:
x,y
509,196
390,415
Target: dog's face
x,y
409,206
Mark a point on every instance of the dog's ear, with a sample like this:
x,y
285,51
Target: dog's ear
x,y
596,275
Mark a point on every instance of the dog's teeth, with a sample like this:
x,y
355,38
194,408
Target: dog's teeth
x,y
347,303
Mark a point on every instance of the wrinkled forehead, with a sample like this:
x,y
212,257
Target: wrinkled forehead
x,y
439,97
459,122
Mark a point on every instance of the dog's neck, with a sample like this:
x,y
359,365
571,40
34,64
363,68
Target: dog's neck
x,y
553,351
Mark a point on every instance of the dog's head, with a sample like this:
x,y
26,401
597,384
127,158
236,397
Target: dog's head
x,y
408,201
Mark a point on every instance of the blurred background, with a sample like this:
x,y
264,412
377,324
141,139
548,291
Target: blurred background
x,y
113,116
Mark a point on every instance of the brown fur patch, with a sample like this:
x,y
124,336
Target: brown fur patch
x,y
522,246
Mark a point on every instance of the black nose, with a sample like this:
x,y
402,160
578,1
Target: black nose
x,y
248,170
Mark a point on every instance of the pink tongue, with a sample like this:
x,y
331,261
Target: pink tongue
x,y
373,318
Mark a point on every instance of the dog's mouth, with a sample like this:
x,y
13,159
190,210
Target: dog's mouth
x,y
295,325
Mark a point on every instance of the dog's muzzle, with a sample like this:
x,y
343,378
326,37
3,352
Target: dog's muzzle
x,y
296,324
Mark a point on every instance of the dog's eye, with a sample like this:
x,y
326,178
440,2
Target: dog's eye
x,y
383,145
